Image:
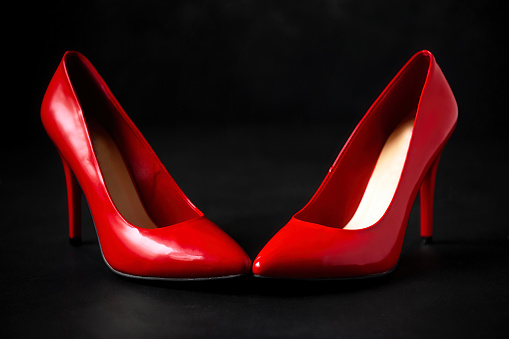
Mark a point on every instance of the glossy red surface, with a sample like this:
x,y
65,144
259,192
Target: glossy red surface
x,y
185,244
313,244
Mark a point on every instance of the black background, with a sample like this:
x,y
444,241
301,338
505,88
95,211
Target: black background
x,y
247,103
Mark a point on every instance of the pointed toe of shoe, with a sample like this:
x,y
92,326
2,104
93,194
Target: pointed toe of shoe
x,y
289,255
203,250
229,259
303,250
278,262
194,249
219,256
283,262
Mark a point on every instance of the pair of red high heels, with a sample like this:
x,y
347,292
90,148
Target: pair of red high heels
x,y
353,226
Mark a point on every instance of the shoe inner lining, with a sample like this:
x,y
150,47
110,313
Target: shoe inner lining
x,y
384,179
118,178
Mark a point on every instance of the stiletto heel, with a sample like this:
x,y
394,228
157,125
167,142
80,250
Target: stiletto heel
x,y
355,223
73,204
427,193
146,226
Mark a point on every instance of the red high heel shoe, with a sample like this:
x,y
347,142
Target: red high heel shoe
x,y
355,223
147,227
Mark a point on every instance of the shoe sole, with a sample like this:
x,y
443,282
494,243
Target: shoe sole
x,y
362,277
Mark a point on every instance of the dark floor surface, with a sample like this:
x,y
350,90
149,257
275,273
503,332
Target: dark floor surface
x,y
250,180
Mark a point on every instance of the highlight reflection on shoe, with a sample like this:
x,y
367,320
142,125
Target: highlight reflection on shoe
x,y
169,248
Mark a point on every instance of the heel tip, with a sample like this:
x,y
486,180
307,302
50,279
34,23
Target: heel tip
x,y
427,240
75,241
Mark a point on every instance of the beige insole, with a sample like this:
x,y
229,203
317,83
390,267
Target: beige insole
x,y
118,179
384,179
